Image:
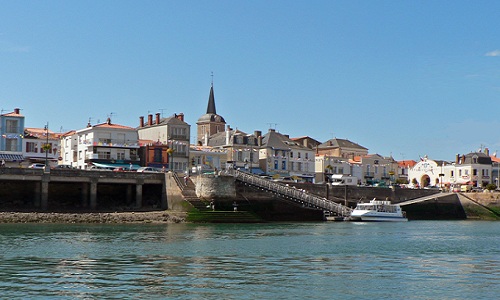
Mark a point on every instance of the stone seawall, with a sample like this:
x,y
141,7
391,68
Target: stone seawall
x,y
212,187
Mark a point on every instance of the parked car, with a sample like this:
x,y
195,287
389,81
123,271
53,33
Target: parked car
x,y
147,170
119,169
36,166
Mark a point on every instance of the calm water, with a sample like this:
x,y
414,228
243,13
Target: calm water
x,y
413,260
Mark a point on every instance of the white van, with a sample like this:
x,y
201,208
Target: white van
x,y
340,179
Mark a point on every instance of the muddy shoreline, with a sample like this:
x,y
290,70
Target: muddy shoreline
x,y
155,217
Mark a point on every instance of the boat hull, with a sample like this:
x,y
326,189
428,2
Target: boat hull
x,y
369,216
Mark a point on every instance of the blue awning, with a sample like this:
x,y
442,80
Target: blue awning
x,y
11,157
257,171
125,166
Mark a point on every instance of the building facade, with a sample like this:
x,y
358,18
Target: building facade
x,y
41,146
104,145
281,156
11,141
165,142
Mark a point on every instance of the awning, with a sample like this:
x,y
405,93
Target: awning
x,y
125,166
257,171
11,157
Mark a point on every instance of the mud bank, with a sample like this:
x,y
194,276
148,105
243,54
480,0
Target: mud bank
x,y
103,218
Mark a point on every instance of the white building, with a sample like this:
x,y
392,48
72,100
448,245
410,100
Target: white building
x,y
103,145
41,144
473,169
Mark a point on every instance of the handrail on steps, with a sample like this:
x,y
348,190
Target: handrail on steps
x,y
293,193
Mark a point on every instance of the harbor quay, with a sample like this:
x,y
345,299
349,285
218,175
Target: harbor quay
x,y
85,191
80,190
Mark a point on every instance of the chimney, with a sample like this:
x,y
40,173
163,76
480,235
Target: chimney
x,y
180,116
150,119
257,133
259,141
108,121
141,121
457,159
487,151
16,111
157,118
228,135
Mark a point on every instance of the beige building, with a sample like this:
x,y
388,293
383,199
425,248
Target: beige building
x,y
341,148
172,133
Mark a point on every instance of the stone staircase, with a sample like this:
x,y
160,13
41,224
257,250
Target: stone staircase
x,y
202,212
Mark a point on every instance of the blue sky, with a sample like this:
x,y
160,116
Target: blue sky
x,y
407,78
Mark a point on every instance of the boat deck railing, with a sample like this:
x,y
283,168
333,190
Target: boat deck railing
x,y
293,194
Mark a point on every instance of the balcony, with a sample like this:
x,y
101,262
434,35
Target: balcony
x,y
111,143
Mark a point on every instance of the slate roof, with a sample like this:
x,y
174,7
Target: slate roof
x,y
277,140
219,139
340,143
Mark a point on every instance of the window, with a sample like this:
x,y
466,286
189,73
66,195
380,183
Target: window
x,y
298,154
31,147
474,172
157,155
283,165
459,172
451,173
307,155
11,145
120,155
291,154
103,154
341,170
240,156
299,166
276,164
12,126
292,166
251,156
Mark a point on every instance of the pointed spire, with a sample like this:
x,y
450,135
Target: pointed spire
x,y
211,102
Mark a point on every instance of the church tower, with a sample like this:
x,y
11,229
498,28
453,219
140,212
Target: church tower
x,y
210,123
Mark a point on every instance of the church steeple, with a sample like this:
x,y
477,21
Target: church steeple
x,y
211,102
210,123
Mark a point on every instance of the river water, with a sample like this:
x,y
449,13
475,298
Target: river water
x,y
345,260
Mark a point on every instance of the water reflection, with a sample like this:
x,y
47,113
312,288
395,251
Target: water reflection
x,y
419,260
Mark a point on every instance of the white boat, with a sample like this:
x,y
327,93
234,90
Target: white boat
x,y
378,210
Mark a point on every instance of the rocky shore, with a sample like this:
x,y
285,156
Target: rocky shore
x,y
103,218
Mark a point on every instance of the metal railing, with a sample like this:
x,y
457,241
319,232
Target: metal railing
x,y
294,194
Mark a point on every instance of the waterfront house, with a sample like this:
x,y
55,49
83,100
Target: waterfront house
x,y
376,169
242,149
403,168
41,146
326,166
11,141
166,142
280,156
105,145
69,149
207,159
474,169
341,148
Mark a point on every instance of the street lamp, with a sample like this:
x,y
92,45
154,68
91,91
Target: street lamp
x,y
46,147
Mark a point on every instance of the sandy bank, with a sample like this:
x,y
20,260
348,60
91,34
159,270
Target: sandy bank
x,y
112,218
